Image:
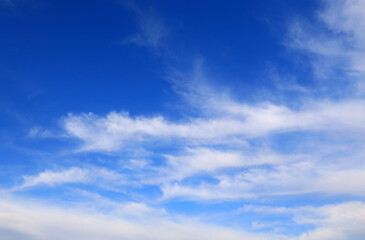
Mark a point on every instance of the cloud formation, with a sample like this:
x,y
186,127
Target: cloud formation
x,y
152,30
30,221
339,48
227,150
111,132
39,222
71,175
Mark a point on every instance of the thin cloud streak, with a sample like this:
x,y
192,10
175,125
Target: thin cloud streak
x,y
341,47
37,222
112,132
152,29
71,175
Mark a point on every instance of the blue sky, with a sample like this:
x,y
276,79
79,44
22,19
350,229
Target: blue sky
x,y
182,119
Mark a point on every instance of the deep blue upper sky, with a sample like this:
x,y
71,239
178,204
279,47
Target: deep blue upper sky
x,y
67,56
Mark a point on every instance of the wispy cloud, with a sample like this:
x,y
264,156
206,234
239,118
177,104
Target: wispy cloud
x,y
290,179
39,222
112,132
209,161
341,221
336,44
38,132
333,221
152,29
71,175
28,220
219,139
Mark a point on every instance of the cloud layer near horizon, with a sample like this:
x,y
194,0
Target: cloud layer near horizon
x,y
31,221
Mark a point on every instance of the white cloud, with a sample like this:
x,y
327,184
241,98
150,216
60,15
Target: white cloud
x,y
286,179
267,209
340,47
136,164
94,202
345,16
40,223
71,175
28,220
112,132
202,160
208,161
336,222
225,122
340,221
